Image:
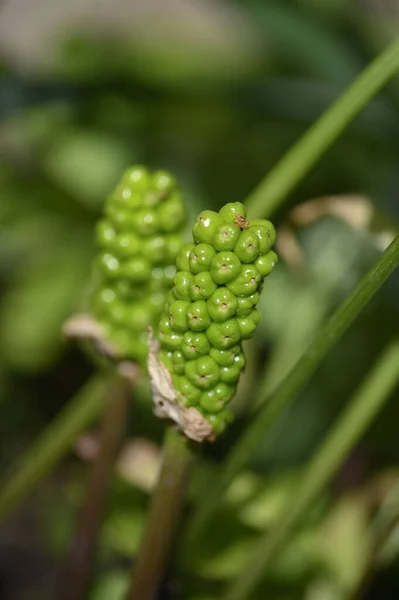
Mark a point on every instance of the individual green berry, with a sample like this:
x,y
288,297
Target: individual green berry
x,y
247,246
123,220
109,264
266,263
219,421
225,358
200,258
247,327
166,358
205,226
194,345
173,244
231,374
137,178
223,335
163,182
147,222
187,393
136,269
105,233
183,282
225,267
202,286
215,399
266,234
202,372
229,212
153,248
198,317
177,362
246,303
247,282
226,236
177,315
126,245
171,213
183,258
222,305
172,340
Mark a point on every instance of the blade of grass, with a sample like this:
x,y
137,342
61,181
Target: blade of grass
x,y
369,399
299,160
295,381
53,443
77,571
163,517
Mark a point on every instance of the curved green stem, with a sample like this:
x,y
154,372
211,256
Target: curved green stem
x,y
369,399
53,443
295,381
163,517
298,161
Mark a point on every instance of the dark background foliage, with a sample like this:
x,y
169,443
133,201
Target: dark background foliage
x,y
215,92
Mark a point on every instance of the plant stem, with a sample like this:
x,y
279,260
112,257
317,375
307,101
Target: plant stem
x,y
368,400
77,572
298,161
295,381
163,517
53,443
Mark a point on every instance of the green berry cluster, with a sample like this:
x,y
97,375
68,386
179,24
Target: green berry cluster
x,y
212,308
140,238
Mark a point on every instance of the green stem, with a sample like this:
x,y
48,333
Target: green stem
x,y
295,381
53,443
298,161
77,572
163,518
369,399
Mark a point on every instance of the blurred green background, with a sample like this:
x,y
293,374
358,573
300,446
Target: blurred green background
x,y
216,92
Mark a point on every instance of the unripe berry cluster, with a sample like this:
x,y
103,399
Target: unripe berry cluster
x,y
212,308
140,239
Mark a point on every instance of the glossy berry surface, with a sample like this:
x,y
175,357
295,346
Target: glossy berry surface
x,y
140,238
212,308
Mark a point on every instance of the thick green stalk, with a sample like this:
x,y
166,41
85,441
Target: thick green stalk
x,y
163,517
295,381
53,443
368,400
298,161
78,569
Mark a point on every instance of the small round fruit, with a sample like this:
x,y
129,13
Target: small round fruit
x,y
126,245
137,269
266,233
154,249
225,358
231,211
138,178
166,358
198,317
226,236
163,182
230,375
247,327
173,243
202,286
124,220
247,282
146,221
171,213
202,372
205,227
109,264
200,258
183,281
222,305
225,267
105,234
187,393
223,335
194,345
177,315
172,340
177,362
215,399
182,259
266,263
247,246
